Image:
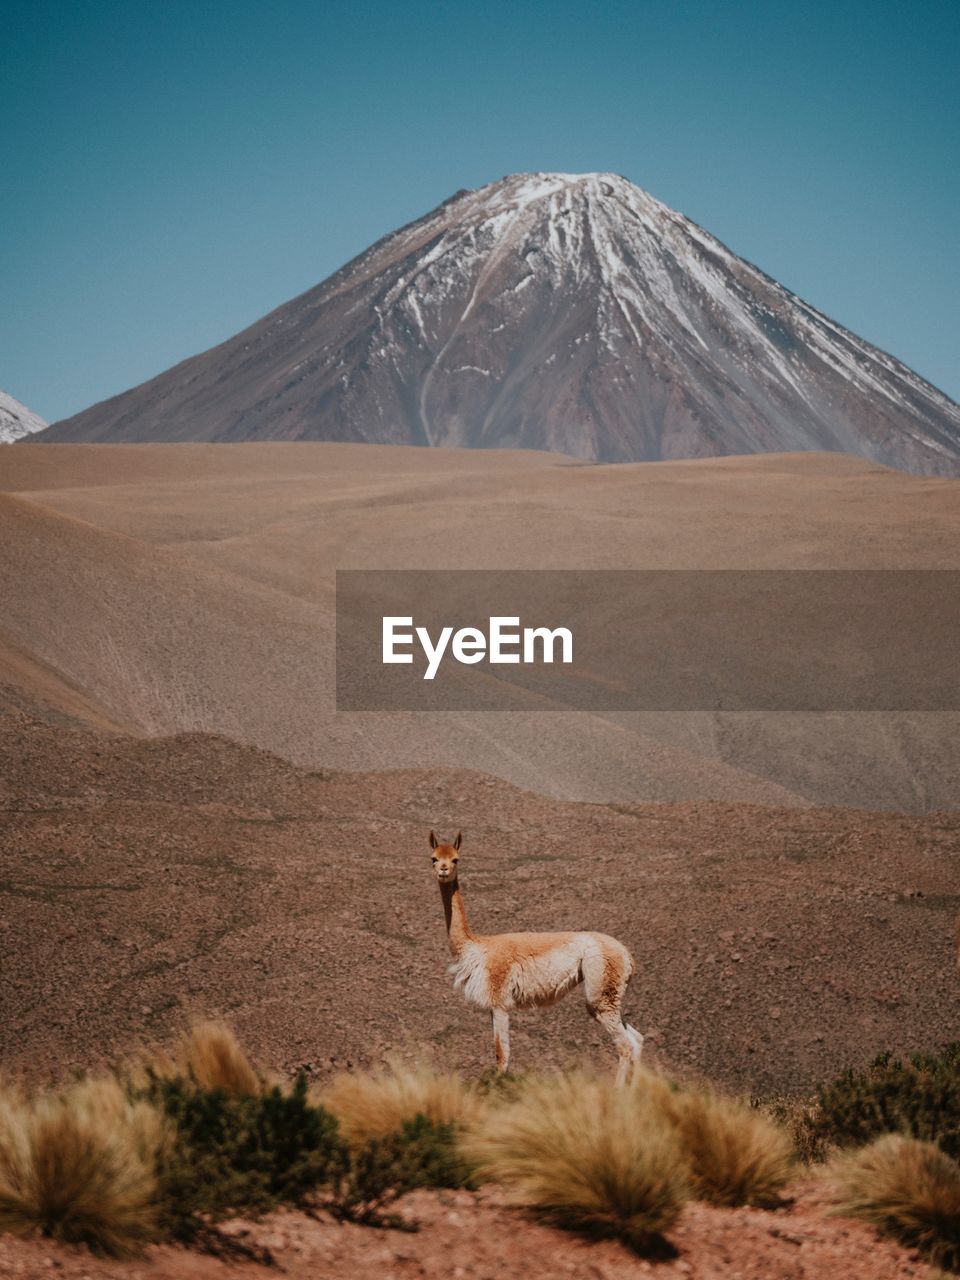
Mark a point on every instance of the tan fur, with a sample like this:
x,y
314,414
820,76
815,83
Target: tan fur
x,y
505,971
616,975
505,950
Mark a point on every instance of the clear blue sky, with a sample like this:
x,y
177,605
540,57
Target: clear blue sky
x,y
173,169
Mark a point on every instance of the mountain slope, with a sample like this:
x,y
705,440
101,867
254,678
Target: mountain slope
x,y
183,587
548,311
158,639
16,420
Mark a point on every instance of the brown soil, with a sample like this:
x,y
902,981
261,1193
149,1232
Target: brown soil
x,y
142,881
466,1236
152,590
170,588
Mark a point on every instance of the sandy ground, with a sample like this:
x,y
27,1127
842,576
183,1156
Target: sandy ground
x,y
182,587
476,1236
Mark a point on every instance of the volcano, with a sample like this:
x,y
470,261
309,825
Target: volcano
x,y
573,313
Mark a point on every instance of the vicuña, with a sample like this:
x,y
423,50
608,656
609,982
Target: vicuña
x,y
506,971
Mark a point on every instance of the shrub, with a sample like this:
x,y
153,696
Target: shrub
x,y
241,1153
586,1156
80,1167
426,1154
801,1119
420,1154
737,1155
919,1097
907,1189
376,1104
247,1154
184,1140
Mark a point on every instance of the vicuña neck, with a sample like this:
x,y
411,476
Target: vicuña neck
x,y
458,931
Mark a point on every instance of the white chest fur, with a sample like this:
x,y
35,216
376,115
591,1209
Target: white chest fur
x,y
470,976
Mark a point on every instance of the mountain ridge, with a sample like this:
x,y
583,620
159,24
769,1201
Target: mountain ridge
x,y
574,313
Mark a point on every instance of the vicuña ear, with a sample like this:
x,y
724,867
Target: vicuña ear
x,y
433,841
456,843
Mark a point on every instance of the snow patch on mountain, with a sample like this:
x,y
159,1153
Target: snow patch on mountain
x,y
16,420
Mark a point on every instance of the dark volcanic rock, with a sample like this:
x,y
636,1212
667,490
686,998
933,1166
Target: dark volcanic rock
x,y
549,311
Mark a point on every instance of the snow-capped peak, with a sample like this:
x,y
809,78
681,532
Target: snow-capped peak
x,y
16,420
564,311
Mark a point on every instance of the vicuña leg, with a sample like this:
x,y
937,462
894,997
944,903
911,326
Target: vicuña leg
x,y
628,1052
637,1040
605,982
501,1039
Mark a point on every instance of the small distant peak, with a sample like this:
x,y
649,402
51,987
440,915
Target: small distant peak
x,y
17,420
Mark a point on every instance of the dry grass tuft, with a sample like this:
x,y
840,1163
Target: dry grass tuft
x,y
211,1056
377,1104
907,1189
737,1155
80,1166
587,1156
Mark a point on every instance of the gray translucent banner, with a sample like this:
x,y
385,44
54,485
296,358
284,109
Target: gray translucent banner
x,y
649,640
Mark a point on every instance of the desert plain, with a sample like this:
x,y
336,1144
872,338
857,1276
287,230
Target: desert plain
x,y
190,826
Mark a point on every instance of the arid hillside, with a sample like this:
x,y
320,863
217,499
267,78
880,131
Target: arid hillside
x,y
145,880
169,588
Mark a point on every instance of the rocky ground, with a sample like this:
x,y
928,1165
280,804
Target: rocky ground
x,y
476,1236
145,881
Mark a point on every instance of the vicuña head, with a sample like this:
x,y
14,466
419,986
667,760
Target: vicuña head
x,y
445,858
506,971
